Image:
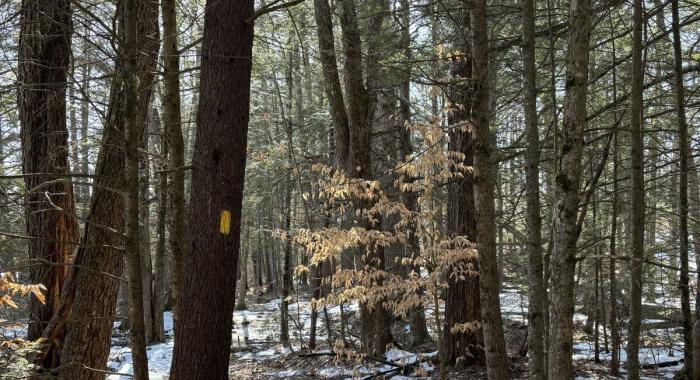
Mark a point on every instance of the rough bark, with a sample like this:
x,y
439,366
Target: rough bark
x,y
44,51
637,197
133,131
334,92
535,323
462,297
88,304
144,209
684,153
213,239
375,332
567,185
176,147
484,190
159,272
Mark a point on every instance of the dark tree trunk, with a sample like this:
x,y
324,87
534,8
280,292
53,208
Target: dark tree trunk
x,y
484,193
44,51
176,147
638,206
213,239
334,92
133,131
689,350
89,297
159,273
536,289
462,297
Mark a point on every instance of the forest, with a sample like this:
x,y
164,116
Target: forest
x,y
349,189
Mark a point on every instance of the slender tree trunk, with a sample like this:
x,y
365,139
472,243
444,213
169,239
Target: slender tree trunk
x,y
44,51
567,186
614,330
132,138
217,194
535,333
243,273
144,178
417,316
484,189
84,194
176,147
684,152
637,198
159,280
334,92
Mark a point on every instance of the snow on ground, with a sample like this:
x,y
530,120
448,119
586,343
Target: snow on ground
x,y
256,343
159,356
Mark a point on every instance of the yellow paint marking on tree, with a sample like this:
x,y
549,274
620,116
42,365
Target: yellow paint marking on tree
x,y
225,222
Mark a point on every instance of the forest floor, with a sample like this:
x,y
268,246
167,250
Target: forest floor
x,y
258,354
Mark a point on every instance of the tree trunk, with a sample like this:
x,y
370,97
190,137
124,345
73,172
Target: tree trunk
x,y
614,328
243,272
375,331
176,147
334,92
88,303
213,239
462,296
133,132
484,189
144,178
44,51
417,317
536,289
567,184
637,199
684,152
159,280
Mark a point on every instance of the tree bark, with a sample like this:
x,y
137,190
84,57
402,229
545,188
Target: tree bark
x,y
243,273
484,189
462,296
375,334
334,92
176,147
87,306
44,51
213,239
536,289
567,185
637,198
684,151
159,273
133,131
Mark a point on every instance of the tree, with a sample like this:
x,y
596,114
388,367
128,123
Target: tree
x,y
44,51
132,138
637,202
536,288
462,298
690,353
484,193
219,157
176,147
567,184
81,327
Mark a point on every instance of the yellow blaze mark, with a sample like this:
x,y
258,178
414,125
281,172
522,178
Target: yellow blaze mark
x,y
225,222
